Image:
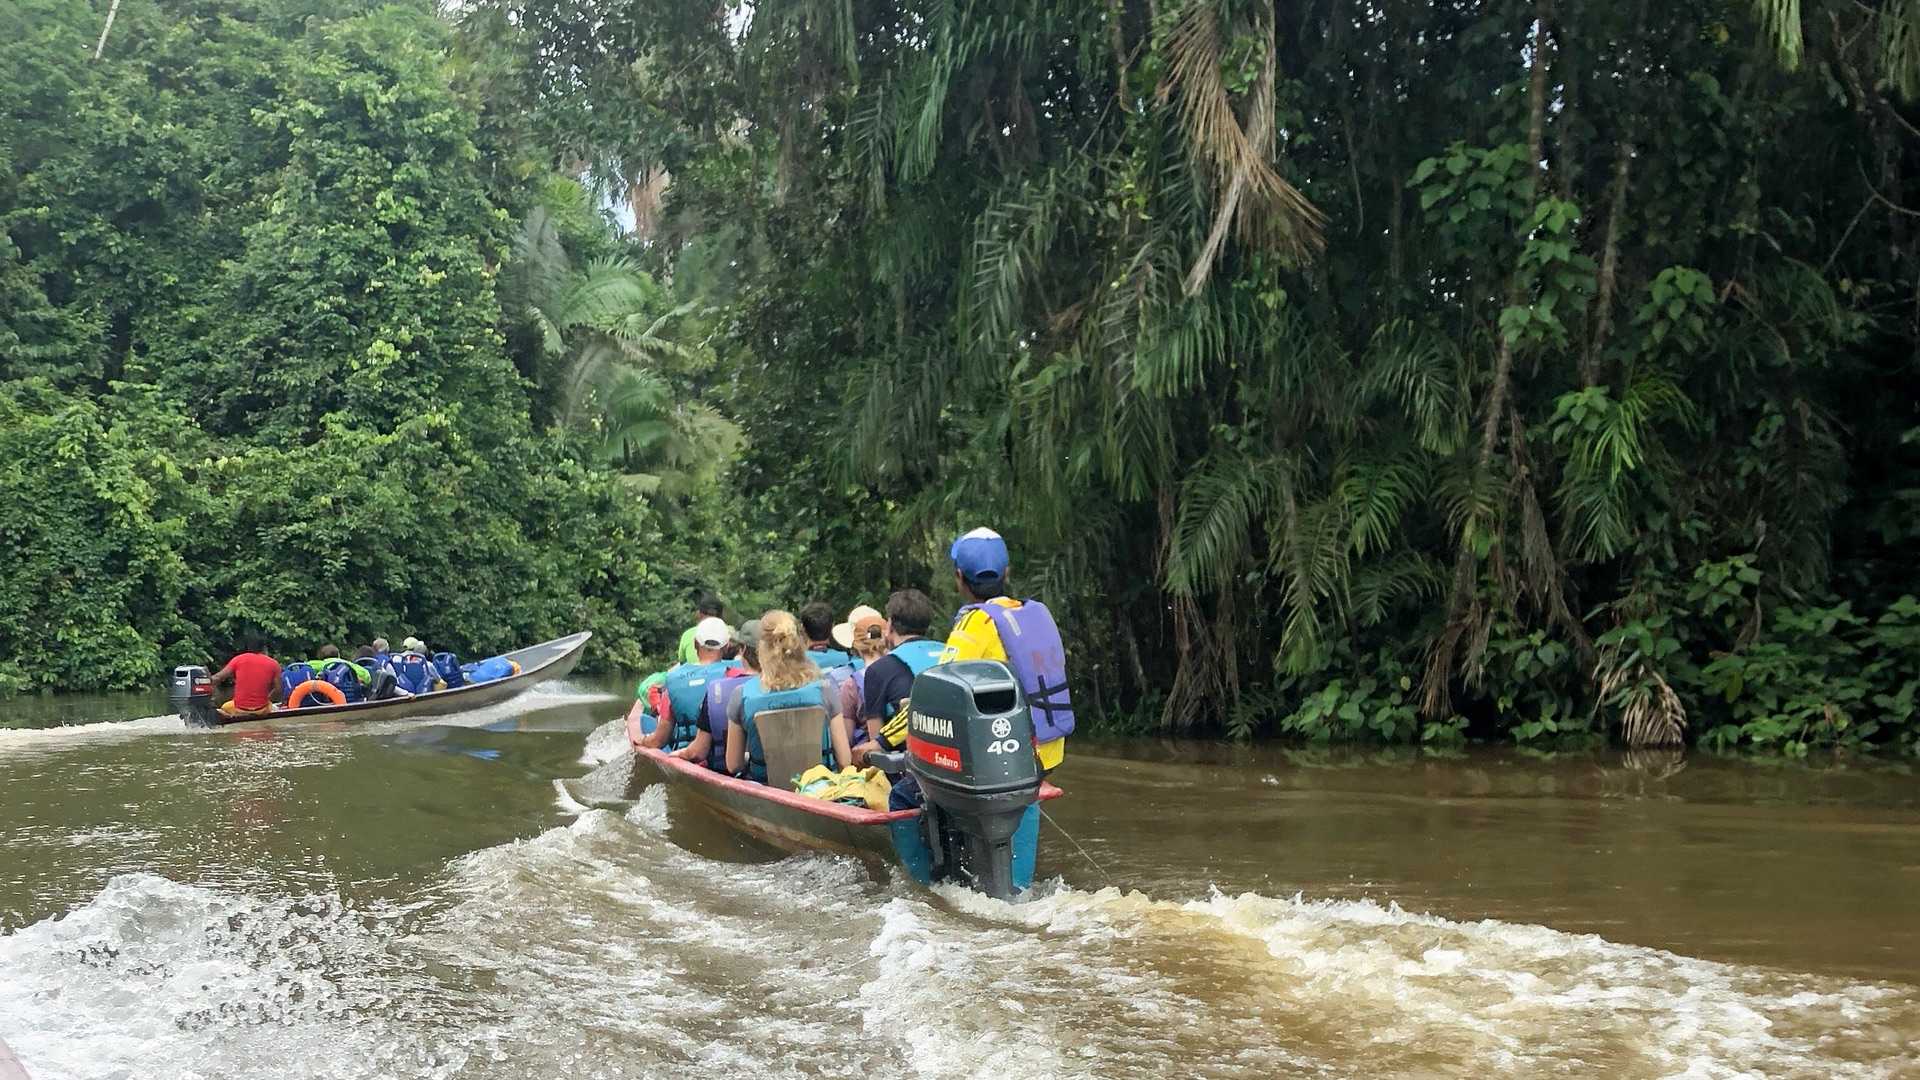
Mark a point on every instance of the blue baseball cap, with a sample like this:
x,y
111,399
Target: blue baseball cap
x,y
980,555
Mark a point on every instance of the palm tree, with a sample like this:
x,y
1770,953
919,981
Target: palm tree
x,y
604,344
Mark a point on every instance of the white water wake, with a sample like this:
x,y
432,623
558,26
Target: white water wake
x,y
601,949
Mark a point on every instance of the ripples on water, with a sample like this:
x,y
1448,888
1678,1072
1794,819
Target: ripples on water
x,y
604,948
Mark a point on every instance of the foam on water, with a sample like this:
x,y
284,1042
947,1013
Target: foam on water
x,y
28,742
601,949
607,743
158,979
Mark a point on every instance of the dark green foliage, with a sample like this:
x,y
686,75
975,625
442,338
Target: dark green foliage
x,y
93,545
254,361
1382,371
1391,371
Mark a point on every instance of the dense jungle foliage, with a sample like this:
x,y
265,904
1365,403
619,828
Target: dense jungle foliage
x,y
1542,369
287,343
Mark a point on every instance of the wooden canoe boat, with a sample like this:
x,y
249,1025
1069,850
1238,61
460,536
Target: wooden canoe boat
x,y
538,663
787,819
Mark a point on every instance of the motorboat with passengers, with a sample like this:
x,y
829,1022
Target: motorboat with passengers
x,y
969,748
191,691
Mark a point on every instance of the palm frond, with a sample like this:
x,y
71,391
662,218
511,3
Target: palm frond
x,y
1248,192
1219,506
1780,22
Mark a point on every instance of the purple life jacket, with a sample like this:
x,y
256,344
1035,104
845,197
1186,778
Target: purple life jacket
x,y
719,693
859,718
1038,660
836,680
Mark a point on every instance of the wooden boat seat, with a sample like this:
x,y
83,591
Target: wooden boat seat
x,y
790,738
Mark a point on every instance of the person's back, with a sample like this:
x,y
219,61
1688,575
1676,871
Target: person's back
x,y
681,692
687,686
412,673
707,606
254,675
788,680
713,715
889,679
709,745
380,681
343,675
816,621
989,619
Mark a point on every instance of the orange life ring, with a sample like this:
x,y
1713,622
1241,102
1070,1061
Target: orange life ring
x,y
315,686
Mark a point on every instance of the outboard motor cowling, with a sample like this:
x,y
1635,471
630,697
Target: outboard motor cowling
x,y
191,694
970,747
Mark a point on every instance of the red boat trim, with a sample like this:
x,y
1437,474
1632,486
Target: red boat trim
x,y
852,815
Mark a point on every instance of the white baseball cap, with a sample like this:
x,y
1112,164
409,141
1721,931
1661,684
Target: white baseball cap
x,y
858,621
711,633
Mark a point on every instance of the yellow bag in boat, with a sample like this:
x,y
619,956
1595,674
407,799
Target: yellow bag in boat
x,y
814,781
861,787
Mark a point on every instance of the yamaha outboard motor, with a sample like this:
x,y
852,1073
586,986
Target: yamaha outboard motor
x,y
970,747
191,694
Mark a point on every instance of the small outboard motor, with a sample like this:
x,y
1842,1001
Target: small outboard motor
x,y
191,694
970,747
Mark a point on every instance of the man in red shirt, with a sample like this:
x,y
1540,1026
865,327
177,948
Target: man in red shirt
x,y
255,677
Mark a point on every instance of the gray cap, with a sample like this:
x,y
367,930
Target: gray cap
x,y
748,634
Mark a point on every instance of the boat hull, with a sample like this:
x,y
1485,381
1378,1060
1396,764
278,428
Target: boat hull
x,y
786,819
538,663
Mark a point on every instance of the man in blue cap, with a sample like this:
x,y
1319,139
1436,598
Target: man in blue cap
x,y
990,621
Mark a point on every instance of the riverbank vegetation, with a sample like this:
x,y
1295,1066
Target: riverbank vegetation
x,y
1535,369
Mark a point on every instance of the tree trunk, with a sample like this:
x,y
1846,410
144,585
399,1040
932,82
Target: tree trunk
x,y
1609,266
1496,407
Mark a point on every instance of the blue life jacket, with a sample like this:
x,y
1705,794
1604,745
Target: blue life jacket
x,y
755,700
919,655
413,673
686,688
1038,660
719,693
829,658
346,677
293,675
447,666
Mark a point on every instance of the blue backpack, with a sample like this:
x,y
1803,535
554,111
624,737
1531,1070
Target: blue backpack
x,y
346,680
498,667
413,673
292,676
448,666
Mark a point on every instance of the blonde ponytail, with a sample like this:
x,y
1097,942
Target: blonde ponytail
x,y
784,664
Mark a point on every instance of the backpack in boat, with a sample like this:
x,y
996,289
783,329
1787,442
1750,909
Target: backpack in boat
x,y
448,667
498,667
292,676
412,673
346,679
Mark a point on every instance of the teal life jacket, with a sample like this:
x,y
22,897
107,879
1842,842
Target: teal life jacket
x,y
829,658
686,687
919,655
755,700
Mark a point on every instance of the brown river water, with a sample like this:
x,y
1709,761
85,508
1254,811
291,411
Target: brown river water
x,y
422,899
